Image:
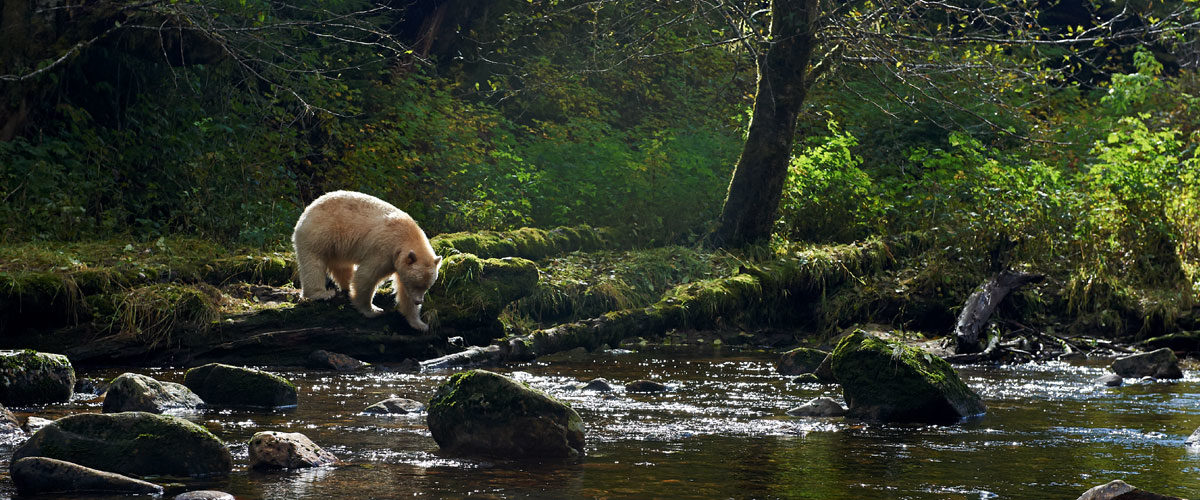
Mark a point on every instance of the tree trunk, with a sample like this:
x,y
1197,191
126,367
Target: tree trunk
x,y
752,202
981,304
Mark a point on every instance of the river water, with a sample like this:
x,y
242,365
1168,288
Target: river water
x,y
721,432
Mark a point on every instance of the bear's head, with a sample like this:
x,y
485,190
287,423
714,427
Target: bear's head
x,y
417,273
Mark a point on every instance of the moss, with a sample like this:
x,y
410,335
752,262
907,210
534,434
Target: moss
x,y
484,412
471,292
889,381
131,443
269,269
168,314
29,376
529,243
220,384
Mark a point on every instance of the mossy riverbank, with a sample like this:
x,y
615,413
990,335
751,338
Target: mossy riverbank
x,y
529,291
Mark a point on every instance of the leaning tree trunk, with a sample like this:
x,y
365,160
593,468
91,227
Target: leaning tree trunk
x,y
752,202
981,304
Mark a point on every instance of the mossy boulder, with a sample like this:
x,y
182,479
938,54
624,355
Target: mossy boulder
x,y
225,385
136,443
38,475
35,377
471,292
800,360
889,381
480,412
135,392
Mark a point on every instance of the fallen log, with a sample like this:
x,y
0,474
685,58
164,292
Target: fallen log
x,y
982,303
799,277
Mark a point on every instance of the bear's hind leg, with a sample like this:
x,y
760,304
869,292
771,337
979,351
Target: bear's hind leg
x,y
312,273
362,288
341,275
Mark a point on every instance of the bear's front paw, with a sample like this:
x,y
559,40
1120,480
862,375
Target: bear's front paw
x,y
373,312
416,323
325,294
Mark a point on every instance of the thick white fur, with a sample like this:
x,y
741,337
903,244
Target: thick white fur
x,y
361,240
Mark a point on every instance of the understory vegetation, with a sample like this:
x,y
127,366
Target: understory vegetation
x,y
141,195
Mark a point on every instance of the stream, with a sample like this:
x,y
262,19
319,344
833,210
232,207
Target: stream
x,y
720,432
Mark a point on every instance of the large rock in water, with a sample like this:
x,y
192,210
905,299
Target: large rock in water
x,y
220,384
36,475
1160,363
35,377
800,360
286,450
888,381
480,412
134,392
137,443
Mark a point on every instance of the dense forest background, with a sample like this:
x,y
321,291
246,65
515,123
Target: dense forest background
x,y
1073,154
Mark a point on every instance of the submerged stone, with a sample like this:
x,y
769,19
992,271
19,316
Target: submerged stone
x,y
645,386
35,377
134,392
818,407
1108,380
800,360
1120,490
220,384
135,443
480,412
204,495
286,450
1160,364
39,475
888,381
322,359
395,406
597,385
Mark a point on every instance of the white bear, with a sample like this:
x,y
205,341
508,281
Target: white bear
x,y
361,240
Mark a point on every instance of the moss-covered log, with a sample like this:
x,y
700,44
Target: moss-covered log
x,y
531,243
468,297
758,295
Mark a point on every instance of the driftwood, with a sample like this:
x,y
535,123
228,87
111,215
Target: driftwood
x,y
981,304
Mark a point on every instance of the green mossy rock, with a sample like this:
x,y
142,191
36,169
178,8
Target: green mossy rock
x,y
224,385
480,412
38,475
134,392
35,377
800,360
136,443
888,381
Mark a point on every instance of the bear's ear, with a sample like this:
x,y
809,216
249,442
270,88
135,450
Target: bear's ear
x,y
437,262
410,258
